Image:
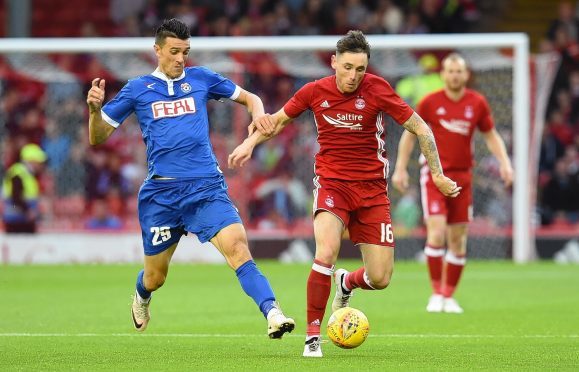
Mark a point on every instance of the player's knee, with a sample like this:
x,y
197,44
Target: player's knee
x,y
436,238
154,281
327,252
379,281
238,254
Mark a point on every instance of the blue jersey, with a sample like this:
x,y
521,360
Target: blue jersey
x,y
173,117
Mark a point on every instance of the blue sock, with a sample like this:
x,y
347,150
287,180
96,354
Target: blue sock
x,y
141,290
256,286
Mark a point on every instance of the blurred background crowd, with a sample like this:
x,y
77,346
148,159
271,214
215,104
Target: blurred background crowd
x,y
95,188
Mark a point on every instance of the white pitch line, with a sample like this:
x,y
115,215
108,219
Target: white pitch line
x,y
229,335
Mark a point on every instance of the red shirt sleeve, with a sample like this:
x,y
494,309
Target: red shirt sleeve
x,y
392,104
300,101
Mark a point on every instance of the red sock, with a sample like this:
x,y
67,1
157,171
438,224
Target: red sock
x,y
318,292
358,279
434,261
454,266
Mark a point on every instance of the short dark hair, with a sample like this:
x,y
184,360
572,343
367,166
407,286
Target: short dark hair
x,y
353,42
171,28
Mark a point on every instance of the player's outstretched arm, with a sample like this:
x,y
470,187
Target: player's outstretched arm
x,y
400,176
242,153
497,147
416,125
253,103
98,129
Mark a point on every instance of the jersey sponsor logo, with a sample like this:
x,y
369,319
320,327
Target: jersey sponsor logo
x,y
440,111
360,103
186,87
456,126
163,109
345,121
325,104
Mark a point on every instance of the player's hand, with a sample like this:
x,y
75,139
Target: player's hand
x,y
265,125
240,155
446,186
96,95
506,172
400,180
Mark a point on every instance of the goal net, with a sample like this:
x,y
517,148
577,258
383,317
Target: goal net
x,y
43,85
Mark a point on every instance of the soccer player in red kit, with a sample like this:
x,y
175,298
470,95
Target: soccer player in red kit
x,y
351,168
453,114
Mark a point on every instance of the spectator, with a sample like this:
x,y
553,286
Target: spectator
x,y
560,200
414,24
72,175
551,150
56,145
559,128
120,10
392,18
413,88
566,21
101,218
21,191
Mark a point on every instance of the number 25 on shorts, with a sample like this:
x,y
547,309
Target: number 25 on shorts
x,y
161,234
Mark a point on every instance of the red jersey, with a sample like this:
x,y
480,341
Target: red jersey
x,y
453,124
351,127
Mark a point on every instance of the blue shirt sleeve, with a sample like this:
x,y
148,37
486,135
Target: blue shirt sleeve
x,y
218,85
120,107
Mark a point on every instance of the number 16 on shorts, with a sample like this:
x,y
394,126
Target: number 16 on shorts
x,y
386,233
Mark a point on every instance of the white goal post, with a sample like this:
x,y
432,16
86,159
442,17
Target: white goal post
x,y
523,242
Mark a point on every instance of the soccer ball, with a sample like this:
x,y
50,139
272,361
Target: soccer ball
x,y
348,328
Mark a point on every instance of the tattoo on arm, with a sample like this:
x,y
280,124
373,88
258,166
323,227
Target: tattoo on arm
x,y
426,141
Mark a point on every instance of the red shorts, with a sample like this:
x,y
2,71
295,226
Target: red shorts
x,y
363,207
456,210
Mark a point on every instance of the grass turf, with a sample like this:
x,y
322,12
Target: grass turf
x,y
77,318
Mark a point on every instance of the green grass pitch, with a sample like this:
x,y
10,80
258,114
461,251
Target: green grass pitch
x,y
77,318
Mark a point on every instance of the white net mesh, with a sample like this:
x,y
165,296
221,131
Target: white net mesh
x,y
43,99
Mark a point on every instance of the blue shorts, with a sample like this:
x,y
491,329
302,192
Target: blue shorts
x,y
168,209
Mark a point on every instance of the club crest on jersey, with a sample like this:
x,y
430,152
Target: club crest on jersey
x,y
468,112
163,109
360,103
186,87
435,207
329,202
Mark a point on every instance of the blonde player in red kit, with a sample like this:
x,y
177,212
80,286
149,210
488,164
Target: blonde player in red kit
x,y
351,168
453,114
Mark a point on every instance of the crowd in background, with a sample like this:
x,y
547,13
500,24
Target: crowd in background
x,y
296,17
559,158
100,182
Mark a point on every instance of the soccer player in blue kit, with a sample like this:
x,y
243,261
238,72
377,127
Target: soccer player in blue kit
x,y
184,190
